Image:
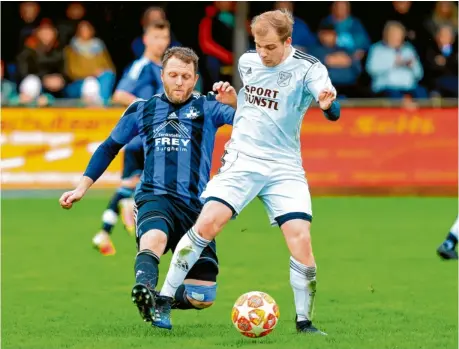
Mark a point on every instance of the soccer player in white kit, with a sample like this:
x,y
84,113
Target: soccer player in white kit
x,y
263,158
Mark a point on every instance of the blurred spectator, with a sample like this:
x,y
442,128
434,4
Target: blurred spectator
x,y
151,14
351,33
445,13
143,78
216,39
394,65
344,69
9,93
42,57
441,63
74,13
401,13
302,37
89,66
29,12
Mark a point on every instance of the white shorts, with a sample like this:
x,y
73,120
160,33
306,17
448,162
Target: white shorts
x,y
282,188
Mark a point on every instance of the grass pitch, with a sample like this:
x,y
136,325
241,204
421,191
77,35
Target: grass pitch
x,y
380,283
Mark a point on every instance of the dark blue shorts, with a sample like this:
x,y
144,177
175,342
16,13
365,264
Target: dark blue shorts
x,y
175,218
133,162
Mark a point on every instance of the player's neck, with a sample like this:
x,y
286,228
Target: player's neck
x,y
287,53
152,57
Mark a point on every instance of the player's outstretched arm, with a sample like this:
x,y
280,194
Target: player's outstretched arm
x,y
318,84
226,93
123,133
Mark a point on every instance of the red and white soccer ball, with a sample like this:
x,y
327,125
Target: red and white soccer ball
x,y
255,314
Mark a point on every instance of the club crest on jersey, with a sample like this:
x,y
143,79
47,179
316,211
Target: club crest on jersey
x,y
192,113
284,79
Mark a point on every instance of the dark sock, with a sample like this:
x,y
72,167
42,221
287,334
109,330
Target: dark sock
x,y
181,300
108,221
146,269
451,241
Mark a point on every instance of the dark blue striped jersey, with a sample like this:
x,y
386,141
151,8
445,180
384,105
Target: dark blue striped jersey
x,y
178,142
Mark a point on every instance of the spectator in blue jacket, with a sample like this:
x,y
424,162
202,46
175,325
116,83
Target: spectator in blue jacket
x,y
302,38
344,69
394,65
351,33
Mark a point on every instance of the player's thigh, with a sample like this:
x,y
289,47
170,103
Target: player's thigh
x,y
286,199
238,182
153,213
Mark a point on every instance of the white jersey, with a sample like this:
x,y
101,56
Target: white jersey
x,y
272,104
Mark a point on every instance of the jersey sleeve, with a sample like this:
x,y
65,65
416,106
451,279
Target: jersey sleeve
x,y
316,80
127,128
124,131
221,114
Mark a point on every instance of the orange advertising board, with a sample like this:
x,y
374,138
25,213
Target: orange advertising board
x,y
367,147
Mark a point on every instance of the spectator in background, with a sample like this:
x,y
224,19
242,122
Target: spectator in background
x,y
344,69
75,12
29,12
352,35
9,93
401,13
89,67
42,57
143,78
394,65
441,63
445,13
151,14
302,37
216,39
30,96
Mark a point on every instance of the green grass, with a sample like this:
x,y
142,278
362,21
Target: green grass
x,y
380,284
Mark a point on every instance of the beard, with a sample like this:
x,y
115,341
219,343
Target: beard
x,y
177,99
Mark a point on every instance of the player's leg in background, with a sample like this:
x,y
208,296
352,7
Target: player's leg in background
x,y
121,202
133,164
447,249
288,203
153,227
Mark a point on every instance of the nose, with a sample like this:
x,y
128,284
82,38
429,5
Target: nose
x,y
179,81
263,54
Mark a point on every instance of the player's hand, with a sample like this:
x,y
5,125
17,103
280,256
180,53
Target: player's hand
x,y
226,93
68,198
326,98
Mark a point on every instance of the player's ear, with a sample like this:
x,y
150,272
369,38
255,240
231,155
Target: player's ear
x,y
288,42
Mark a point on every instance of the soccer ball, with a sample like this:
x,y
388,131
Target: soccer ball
x,y
255,314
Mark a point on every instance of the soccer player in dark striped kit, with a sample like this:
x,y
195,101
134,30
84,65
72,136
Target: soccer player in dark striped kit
x,y
178,130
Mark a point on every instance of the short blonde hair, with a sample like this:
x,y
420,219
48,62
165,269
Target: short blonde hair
x,y
280,20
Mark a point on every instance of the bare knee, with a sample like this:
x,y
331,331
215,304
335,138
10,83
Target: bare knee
x,y
130,182
298,237
212,219
154,240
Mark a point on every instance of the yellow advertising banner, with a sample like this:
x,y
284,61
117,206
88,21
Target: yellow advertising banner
x,y
50,148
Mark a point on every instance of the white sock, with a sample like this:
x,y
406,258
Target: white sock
x,y
455,228
186,254
303,281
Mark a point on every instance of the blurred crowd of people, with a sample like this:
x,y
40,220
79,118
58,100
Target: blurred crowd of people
x,y
65,58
